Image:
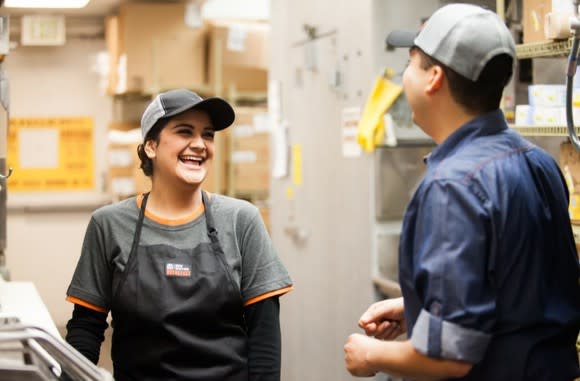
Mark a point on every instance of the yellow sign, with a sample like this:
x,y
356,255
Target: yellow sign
x,y
51,154
297,164
290,193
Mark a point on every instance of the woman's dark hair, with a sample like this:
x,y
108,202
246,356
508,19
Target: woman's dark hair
x,y
483,95
153,134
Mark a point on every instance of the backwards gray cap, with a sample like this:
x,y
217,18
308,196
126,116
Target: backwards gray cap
x,y
463,37
174,102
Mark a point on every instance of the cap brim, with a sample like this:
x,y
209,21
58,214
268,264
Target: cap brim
x,y
221,113
401,39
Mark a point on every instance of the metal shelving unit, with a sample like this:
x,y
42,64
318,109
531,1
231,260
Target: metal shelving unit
x,y
32,353
542,130
544,49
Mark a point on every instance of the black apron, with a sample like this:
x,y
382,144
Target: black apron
x,y
178,314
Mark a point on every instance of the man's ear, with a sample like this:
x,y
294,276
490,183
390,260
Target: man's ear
x,y
435,80
150,148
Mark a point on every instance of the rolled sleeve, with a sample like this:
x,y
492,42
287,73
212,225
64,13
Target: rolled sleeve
x,y
435,337
452,275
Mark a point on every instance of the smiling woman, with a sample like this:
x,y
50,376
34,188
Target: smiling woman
x,y
191,279
182,149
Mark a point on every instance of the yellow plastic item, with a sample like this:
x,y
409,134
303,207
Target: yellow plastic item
x,y
371,126
569,179
574,205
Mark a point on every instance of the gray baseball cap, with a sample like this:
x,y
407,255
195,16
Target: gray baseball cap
x,y
463,37
173,102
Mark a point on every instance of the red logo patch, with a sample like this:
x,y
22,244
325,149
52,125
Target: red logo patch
x,y
177,269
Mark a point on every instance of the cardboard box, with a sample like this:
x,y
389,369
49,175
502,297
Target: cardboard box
x,y
549,95
153,49
217,177
250,154
124,126
534,17
523,115
570,165
112,42
251,180
250,161
242,44
534,13
246,116
251,149
239,56
124,175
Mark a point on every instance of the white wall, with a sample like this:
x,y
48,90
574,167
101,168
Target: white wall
x,y
331,267
45,230
236,9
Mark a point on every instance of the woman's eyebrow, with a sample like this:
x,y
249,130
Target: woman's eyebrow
x,y
190,125
183,124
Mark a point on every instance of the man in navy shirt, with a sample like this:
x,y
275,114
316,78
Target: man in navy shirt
x,y
488,264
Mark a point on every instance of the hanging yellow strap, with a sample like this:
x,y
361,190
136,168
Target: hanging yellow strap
x,y
371,127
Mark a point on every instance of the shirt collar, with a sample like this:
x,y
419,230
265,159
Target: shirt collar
x,y
486,124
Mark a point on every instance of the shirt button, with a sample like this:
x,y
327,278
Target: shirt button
x,y
435,309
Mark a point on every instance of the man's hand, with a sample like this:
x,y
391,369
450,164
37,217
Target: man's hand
x,y
384,320
356,355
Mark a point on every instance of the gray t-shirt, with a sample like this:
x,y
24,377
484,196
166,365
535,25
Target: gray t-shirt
x,y
250,254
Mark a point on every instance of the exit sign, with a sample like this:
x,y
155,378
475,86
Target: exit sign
x,y
42,30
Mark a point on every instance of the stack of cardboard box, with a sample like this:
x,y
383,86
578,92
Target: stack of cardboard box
x,y
125,177
238,57
151,49
250,154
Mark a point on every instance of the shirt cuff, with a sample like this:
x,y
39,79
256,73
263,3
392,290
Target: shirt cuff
x,y
435,337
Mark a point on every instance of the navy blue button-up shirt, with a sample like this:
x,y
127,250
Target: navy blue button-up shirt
x,y
488,263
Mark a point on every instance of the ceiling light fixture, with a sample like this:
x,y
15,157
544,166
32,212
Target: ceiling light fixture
x,y
45,3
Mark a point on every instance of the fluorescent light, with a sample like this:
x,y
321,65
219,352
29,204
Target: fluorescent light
x,y
45,3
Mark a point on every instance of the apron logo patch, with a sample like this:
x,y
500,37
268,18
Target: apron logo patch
x,y
177,269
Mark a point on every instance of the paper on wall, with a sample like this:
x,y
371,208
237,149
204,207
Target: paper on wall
x,y
237,37
280,147
349,128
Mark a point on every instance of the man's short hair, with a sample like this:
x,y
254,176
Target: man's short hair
x,y
484,94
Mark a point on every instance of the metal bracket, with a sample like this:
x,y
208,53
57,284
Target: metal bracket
x,y
4,177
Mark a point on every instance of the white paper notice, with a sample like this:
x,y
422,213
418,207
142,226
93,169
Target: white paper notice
x,y
280,145
349,128
237,38
275,100
193,17
38,148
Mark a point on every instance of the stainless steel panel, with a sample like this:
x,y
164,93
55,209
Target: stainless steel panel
x,y
4,102
405,131
388,256
3,215
398,171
